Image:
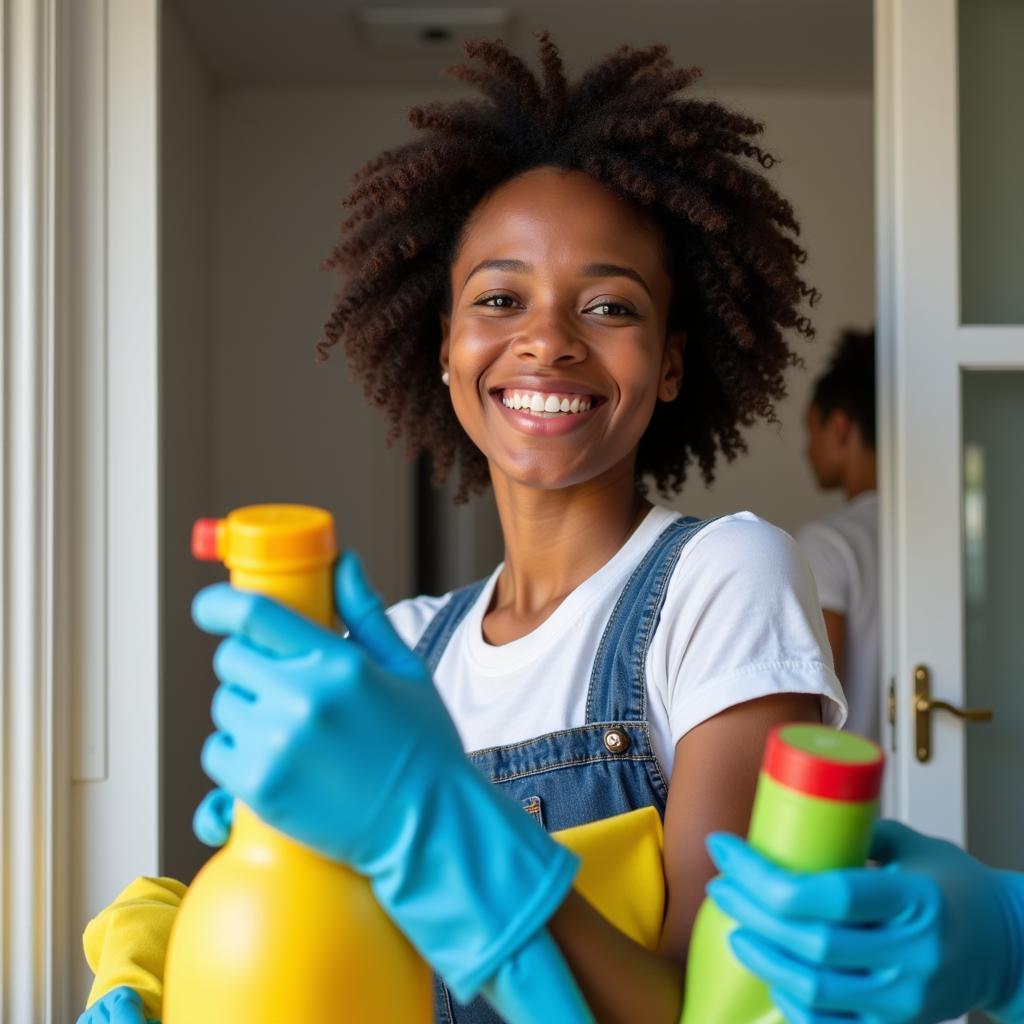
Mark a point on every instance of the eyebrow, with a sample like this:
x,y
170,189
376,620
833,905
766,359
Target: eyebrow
x,y
590,270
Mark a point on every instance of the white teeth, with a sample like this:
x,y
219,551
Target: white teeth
x,y
543,404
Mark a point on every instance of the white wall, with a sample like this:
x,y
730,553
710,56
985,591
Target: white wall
x,y
285,427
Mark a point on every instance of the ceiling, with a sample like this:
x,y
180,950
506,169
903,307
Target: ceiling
x,y
778,44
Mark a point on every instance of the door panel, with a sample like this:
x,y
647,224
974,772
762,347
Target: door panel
x,y
993,552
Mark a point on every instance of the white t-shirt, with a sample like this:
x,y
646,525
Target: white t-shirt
x,y
843,552
740,620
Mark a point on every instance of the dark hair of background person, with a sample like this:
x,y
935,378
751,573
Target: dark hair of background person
x,y
849,383
687,162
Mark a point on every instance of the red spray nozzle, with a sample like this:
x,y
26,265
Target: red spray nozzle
x,y
204,540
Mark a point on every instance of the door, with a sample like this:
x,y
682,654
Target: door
x,y
950,99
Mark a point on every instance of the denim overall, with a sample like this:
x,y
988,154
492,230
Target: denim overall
x,y
602,768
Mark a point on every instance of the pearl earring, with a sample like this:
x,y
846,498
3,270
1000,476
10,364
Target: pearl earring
x,y
445,379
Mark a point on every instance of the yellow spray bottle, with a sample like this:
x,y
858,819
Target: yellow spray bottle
x,y
271,931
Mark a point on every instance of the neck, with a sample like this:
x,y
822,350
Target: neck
x,y
555,539
860,476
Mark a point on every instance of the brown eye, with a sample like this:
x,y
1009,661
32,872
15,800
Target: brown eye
x,y
610,309
499,301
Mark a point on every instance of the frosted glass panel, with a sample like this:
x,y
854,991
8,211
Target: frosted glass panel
x,y
991,71
993,535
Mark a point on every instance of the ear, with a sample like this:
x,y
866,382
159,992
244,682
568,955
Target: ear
x,y
841,427
446,329
672,366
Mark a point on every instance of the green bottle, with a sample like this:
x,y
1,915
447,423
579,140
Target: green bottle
x,y
816,799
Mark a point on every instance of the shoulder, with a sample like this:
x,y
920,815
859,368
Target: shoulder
x,y
412,616
854,519
737,567
741,620
830,543
820,537
743,545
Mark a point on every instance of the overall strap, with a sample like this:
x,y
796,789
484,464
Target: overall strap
x,y
618,691
444,623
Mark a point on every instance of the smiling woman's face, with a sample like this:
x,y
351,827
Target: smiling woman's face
x,y
557,344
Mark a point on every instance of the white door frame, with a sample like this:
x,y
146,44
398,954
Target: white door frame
x,y
922,351
79,737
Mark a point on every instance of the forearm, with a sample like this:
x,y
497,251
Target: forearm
x,y
622,981
1010,1008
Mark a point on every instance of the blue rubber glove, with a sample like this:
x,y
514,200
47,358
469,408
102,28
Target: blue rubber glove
x,y
119,1006
345,745
927,936
213,818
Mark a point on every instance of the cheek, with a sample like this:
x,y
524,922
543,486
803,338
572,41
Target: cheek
x,y
827,456
635,366
815,452
474,346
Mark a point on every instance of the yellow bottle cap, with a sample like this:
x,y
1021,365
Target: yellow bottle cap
x,y
268,538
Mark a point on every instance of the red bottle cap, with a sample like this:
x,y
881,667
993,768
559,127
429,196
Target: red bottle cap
x,y
824,762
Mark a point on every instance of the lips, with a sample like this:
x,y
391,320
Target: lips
x,y
547,386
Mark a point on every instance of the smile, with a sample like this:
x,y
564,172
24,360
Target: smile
x,y
545,413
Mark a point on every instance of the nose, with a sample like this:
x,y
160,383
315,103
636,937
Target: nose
x,y
547,341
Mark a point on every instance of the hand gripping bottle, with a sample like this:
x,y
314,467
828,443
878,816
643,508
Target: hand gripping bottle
x,y
271,931
816,799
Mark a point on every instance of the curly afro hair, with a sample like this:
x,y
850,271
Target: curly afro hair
x,y
688,163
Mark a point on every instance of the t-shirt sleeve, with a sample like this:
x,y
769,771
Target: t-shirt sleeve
x,y
741,620
823,549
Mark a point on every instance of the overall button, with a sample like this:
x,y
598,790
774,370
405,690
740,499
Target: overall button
x,y
616,741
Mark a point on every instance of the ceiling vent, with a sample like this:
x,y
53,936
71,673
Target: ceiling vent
x,y
430,29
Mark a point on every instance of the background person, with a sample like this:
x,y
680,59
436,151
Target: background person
x,y
843,549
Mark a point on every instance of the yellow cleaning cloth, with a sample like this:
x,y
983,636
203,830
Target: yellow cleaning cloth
x,y
620,874
126,943
621,871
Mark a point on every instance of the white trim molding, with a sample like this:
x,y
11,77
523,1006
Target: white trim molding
x,y
33,862
79,514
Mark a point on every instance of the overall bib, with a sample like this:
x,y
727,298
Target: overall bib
x,y
602,768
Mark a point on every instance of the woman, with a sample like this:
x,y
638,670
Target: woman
x,y
566,291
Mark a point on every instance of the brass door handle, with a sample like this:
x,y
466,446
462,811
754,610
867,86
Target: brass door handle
x,y
925,704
